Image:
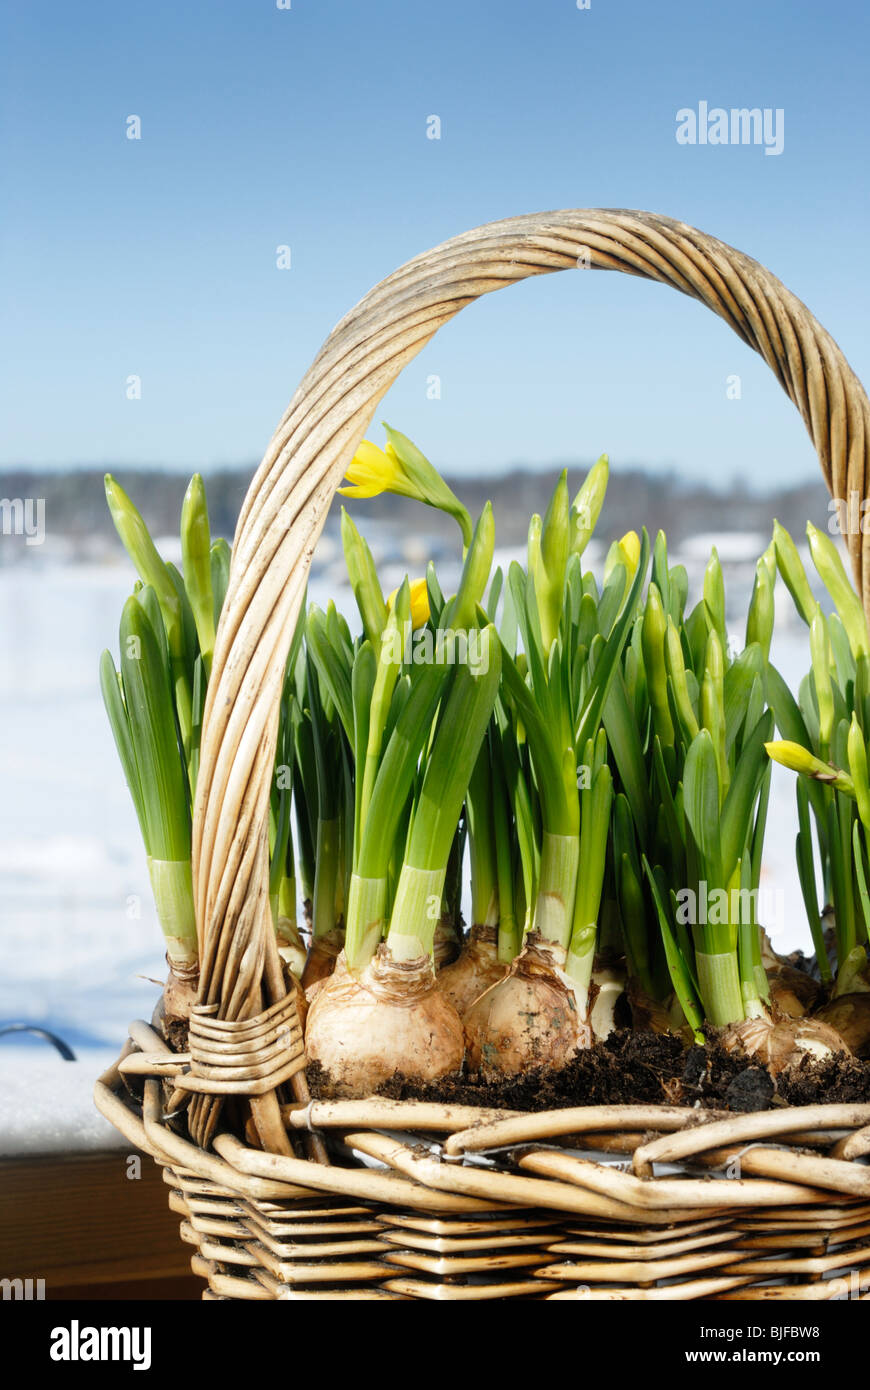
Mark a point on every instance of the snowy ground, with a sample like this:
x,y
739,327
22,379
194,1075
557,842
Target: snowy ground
x,y
46,1104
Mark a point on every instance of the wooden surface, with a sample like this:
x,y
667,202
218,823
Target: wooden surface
x,y
90,1231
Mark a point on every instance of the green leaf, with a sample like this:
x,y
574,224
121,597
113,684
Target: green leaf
x,y
333,667
475,571
611,600
362,688
826,559
840,849
674,832
596,801
461,727
701,802
605,666
200,683
586,507
427,483
861,877
714,597
678,967
161,771
196,559
550,576
574,592
398,767
678,682
364,580
807,876
148,599
559,816
679,594
436,598
736,823
189,646
624,739
483,852
739,680
846,667
522,588
791,568
633,912
142,551
857,751
527,833
759,621
494,594
698,627
220,556
653,638
588,621
110,685
661,576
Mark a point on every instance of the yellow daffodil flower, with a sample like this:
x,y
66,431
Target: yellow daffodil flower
x,y
373,471
401,468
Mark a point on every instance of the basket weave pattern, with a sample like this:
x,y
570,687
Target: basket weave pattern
x,y
600,1202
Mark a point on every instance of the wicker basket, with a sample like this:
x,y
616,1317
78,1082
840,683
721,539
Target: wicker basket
x,y
284,1197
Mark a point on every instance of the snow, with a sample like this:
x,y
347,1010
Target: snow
x,y
46,1104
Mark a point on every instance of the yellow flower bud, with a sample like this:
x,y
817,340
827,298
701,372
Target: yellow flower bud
x,y
799,759
629,547
419,602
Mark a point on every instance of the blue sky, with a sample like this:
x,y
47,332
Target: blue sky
x,y
307,127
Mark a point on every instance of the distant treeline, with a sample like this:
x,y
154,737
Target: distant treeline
x,y
75,505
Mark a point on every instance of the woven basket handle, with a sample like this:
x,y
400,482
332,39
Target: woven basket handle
x,y
287,502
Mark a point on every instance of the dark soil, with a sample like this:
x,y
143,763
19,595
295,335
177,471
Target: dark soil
x,y
837,1081
175,1034
634,1068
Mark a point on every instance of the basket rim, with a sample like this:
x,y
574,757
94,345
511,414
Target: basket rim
x,y
537,1172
